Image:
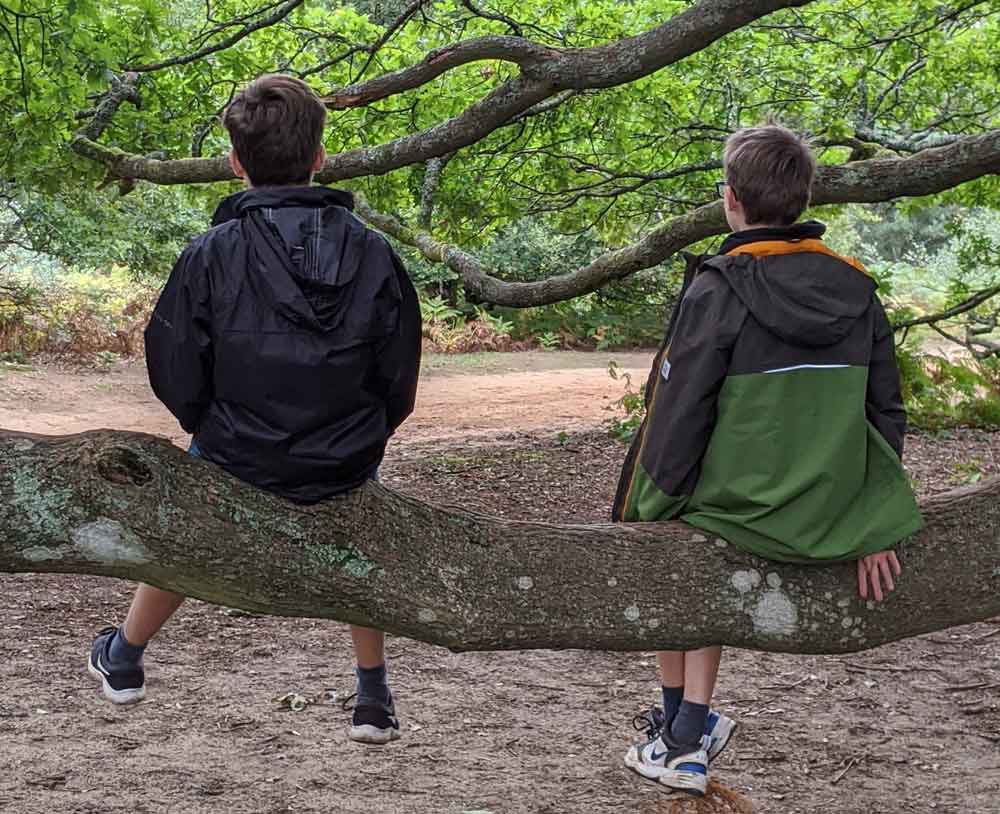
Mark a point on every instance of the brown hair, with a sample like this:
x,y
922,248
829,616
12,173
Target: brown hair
x,y
770,170
276,126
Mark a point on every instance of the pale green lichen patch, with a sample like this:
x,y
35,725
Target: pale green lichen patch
x,y
745,581
774,615
348,559
40,553
42,508
107,540
23,445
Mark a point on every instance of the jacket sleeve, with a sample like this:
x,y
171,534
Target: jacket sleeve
x,y
683,408
398,356
179,344
884,401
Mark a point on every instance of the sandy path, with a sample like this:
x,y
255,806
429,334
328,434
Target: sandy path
x,y
458,396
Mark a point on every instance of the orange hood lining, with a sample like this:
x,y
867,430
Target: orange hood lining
x,y
767,248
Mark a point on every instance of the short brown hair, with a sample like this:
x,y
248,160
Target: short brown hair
x,y
276,126
770,170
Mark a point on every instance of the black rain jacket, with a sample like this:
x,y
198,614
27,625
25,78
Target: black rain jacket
x,y
287,341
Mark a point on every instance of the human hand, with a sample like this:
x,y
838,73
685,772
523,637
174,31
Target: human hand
x,y
878,570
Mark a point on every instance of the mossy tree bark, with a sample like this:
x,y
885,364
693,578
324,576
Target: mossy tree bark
x,y
133,506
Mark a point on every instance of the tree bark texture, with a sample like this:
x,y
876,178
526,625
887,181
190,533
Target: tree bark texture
x,y
134,506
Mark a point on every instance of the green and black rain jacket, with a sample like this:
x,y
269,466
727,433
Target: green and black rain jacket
x,y
774,415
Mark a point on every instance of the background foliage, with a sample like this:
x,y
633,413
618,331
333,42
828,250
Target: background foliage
x,y
540,196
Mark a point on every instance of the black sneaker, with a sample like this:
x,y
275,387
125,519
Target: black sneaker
x,y
374,722
122,683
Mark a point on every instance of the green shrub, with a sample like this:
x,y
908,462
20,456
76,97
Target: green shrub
x,y
940,393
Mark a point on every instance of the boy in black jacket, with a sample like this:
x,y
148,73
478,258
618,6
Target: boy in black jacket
x,y
287,341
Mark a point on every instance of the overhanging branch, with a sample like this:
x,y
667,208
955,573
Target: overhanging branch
x,y
881,179
545,72
134,506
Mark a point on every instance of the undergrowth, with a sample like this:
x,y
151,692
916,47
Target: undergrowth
x,y
82,316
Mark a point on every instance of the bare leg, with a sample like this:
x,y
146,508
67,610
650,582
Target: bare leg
x,y
671,668
701,668
369,647
150,610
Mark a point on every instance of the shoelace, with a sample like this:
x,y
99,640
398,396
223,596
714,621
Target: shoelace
x,y
650,723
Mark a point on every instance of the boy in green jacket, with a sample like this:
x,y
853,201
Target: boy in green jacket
x,y
774,420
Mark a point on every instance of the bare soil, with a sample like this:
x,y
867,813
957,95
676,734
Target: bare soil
x,y
910,727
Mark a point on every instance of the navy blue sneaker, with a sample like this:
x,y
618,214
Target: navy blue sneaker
x,y
719,728
373,722
122,683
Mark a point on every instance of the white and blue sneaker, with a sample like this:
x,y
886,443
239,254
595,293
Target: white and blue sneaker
x,y
719,728
679,767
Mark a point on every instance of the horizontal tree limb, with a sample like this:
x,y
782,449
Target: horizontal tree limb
x,y
136,507
520,51
879,179
545,72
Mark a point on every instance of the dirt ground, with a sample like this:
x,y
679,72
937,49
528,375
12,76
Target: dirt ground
x,y
910,727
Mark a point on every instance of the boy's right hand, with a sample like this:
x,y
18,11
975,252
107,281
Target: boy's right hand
x,y
878,570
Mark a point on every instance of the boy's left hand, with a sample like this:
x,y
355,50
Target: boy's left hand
x,y
878,569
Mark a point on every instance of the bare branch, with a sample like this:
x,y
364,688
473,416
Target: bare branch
x,y
881,179
264,22
513,25
970,304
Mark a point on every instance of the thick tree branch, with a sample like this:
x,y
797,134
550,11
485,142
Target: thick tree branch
x,y
906,143
123,89
880,179
134,506
429,189
524,53
545,72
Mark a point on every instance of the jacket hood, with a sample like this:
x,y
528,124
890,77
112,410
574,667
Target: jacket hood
x,y
305,247
794,285
239,203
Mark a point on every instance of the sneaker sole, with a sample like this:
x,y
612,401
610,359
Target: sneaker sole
x,y
727,726
689,782
119,697
372,734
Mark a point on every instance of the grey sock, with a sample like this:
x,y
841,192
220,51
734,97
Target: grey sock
x,y
121,650
372,685
689,725
672,697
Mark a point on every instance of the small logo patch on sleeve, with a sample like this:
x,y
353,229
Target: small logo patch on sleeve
x,y
665,369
